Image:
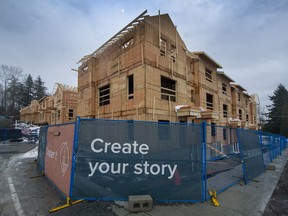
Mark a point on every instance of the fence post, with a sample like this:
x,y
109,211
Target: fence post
x,y
204,174
261,141
75,146
271,147
261,144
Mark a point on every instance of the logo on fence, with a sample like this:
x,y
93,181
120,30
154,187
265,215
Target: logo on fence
x,y
64,158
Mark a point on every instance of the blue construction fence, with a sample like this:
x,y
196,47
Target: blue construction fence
x,y
100,159
10,134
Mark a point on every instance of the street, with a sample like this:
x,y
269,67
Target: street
x,y
24,191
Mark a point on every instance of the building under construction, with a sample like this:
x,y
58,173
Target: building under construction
x,y
145,72
58,108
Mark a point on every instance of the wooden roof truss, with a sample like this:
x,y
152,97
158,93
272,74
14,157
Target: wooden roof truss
x,y
119,35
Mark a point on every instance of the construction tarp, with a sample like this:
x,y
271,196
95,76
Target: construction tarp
x,y
115,159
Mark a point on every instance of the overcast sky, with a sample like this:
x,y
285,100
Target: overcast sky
x,y
249,38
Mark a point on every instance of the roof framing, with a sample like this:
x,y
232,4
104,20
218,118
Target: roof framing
x,y
119,35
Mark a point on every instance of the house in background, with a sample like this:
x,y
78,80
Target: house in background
x,y
58,108
30,114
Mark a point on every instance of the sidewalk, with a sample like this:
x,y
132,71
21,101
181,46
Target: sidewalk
x,y
244,200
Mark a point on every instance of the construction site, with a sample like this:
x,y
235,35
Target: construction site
x,y
146,72
152,122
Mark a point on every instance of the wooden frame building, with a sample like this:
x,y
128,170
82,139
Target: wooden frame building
x,y
145,72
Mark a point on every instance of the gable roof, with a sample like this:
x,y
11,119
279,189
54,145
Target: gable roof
x,y
205,55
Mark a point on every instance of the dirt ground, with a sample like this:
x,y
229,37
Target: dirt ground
x,y
278,203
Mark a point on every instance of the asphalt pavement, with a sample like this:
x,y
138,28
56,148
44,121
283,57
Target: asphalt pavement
x,y
24,191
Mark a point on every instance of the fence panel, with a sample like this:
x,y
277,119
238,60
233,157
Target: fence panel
x,y
116,159
42,147
266,146
223,159
251,154
58,157
9,134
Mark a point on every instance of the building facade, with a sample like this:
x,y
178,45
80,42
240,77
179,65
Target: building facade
x,y
145,72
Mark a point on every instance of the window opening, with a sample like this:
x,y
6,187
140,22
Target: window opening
x,y
58,114
168,89
192,96
104,95
127,44
239,96
130,87
225,110
224,89
240,114
209,101
224,133
173,53
208,74
162,47
71,114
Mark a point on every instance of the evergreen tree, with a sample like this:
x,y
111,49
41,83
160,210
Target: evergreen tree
x,y
39,88
284,122
278,112
27,94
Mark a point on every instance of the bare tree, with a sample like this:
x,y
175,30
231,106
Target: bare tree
x,y
9,76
